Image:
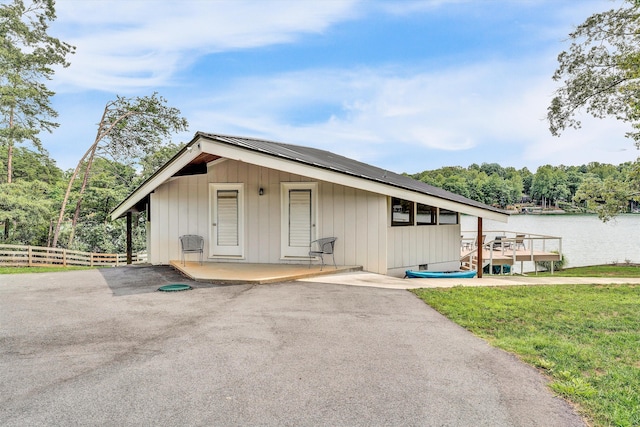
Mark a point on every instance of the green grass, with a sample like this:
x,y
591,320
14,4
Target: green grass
x,y
596,271
39,269
585,337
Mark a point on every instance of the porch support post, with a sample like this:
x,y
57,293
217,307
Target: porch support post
x,y
479,240
129,245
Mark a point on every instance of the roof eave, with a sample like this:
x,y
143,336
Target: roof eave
x,y
169,169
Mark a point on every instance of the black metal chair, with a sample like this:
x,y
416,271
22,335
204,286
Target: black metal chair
x,y
191,243
321,247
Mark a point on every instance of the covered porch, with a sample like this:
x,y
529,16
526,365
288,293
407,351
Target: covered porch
x,y
237,273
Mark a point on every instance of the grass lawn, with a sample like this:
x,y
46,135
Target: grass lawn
x,y
39,269
596,271
585,337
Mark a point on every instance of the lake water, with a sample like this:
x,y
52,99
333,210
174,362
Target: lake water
x,y
585,239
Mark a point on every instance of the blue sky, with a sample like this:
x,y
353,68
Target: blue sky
x,y
404,85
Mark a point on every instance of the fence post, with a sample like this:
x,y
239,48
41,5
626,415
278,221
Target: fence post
x,y
91,259
64,257
29,255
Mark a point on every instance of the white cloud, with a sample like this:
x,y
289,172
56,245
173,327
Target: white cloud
x,y
140,43
394,116
497,109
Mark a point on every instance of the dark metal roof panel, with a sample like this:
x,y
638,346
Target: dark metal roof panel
x,y
327,160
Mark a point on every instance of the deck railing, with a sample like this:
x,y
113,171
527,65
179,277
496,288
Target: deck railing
x,y
23,256
534,247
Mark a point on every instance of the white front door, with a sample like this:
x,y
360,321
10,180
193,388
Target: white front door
x,y
298,218
227,220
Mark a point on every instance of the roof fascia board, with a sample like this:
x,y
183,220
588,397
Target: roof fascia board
x,y
216,162
257,158
190,152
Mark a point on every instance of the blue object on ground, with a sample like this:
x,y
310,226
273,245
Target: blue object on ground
x,y
440,274
175,287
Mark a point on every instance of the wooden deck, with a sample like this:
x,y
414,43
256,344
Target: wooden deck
x,y
510,257
510,249
238,273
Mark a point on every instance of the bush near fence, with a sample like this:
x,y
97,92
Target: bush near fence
x,y
23,256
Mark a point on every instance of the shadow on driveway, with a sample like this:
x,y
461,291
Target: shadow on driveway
x,y
132,280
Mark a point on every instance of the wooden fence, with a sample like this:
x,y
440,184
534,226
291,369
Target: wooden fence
x,y
22,256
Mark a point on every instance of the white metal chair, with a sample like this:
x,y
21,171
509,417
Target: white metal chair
x,y
321,247
191,243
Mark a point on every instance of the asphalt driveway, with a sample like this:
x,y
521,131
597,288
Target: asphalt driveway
x,y
103,347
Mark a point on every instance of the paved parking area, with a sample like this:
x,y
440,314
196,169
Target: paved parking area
x,y
103,347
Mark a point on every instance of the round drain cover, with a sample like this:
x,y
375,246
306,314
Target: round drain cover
x,y
175,287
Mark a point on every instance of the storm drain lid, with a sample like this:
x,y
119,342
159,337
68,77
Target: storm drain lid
x,y
175,287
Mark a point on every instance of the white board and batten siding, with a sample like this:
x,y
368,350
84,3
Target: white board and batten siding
x,y
182,206
435,246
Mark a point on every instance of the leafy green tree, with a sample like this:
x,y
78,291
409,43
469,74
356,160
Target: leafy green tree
x,y
456,184
109,183
154,161
542,184
477,187
27,57
515,188
610,196
130,128
26,212
31,165
527,179
604,197
574,180
493,168
600,71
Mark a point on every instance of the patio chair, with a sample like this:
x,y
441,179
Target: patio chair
x,y
520,241
191,244
498,243
321,247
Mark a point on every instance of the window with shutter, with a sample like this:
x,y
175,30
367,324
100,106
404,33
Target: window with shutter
x,y
299,213
227,220
299,218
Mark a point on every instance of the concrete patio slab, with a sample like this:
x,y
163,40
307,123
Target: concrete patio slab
x,y
236,273
367,279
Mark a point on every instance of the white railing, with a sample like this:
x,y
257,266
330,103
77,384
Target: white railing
x,y
510,244
17,256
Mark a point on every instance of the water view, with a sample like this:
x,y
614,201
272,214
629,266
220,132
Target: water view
x,y
585,239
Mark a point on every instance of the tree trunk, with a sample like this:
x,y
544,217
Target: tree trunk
x,y
102,132
66,199
85,180
10,148
9,162
9,168
91,149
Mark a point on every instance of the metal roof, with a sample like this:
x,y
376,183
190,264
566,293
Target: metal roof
x,y
334,162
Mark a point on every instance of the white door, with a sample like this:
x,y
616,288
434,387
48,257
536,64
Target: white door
x,y
227,220
298,218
